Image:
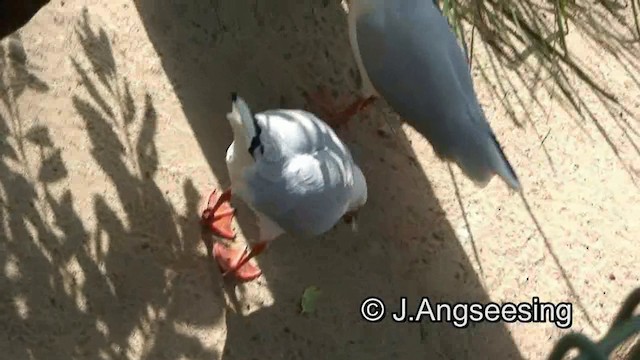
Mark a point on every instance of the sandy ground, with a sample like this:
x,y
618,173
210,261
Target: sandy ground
x,y
112,129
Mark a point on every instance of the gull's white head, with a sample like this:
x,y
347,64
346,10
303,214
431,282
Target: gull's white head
x,y
240,117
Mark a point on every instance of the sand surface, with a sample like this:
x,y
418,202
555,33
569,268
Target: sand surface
x,y
112,130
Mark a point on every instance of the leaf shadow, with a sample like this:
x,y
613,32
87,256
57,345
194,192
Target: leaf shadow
x,y
131,284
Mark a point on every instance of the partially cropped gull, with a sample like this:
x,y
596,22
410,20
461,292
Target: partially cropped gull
x,y
407,53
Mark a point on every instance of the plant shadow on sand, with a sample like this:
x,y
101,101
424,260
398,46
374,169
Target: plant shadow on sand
x,y
75,290
528,49
405,246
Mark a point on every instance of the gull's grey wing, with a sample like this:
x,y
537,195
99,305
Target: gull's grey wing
x,y
411,58
414,61
307,187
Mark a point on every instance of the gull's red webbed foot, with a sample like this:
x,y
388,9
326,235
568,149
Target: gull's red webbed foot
x,y
236,262
329,109
219,213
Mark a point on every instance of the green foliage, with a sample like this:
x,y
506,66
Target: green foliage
x,y
309,299
527,18
518,31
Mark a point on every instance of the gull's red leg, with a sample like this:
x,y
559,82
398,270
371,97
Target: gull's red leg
x,y
354,108
219,213
236,262
329,109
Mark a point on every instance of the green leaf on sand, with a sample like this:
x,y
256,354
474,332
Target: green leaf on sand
x,y
309,299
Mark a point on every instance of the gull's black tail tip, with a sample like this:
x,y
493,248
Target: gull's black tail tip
x,y
505,170
234,96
